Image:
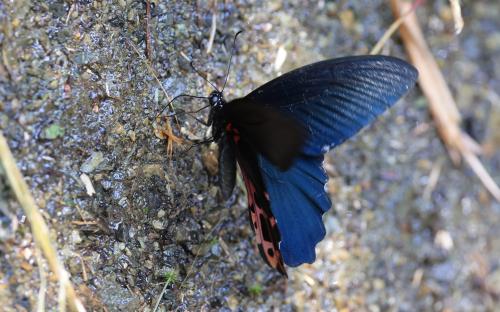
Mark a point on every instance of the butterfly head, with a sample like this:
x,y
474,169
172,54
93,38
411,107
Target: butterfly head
x,y
216,99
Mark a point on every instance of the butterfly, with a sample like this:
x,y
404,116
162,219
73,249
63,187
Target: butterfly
x,y
278,135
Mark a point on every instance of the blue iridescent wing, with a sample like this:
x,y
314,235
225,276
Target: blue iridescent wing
x,y
334,99
298,201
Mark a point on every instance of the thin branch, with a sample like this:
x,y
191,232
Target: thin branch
x,y
456,10
213,29
40,305
392,29
38,226
441,103
148,33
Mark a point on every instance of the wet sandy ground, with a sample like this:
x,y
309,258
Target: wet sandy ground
x,y
77,98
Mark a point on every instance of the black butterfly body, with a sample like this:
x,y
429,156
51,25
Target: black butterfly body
x,y
279,133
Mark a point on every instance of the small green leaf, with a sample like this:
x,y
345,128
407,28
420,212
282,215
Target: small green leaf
x,y
171,277
52,132
255,289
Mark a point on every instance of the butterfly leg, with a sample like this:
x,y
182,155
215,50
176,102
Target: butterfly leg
x,y
179,96
203,122
181,112
189,113
206,141
197,143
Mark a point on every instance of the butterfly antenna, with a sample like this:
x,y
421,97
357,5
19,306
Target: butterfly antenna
x,y
230,59
199,74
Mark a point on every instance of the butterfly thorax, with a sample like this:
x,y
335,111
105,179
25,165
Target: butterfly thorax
x,y
216,118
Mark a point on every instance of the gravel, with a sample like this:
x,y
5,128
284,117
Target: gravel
x,y
76,97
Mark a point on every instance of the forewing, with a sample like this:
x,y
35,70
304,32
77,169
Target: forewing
x,y
263,223
277,136
334,99
298,201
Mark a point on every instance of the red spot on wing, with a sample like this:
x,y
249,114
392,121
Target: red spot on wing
x,y
233,132
263,223
265,227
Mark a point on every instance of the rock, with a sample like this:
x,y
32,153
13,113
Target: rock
x,y
75,237
444,240
158,225
119,298
95,159
444,272
153,170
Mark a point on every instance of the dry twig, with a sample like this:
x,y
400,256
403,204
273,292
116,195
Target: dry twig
x,y
38,227
392,29
148,32
40,305
213,29
456,10
441,102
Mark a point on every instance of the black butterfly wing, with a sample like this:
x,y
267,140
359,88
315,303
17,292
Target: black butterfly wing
x,y
269,132
334,99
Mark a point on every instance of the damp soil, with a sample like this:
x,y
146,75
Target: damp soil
x,y
77,97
